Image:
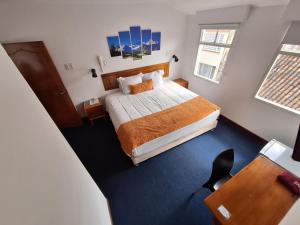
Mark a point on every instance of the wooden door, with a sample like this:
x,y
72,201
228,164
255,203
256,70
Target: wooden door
x,y
34,62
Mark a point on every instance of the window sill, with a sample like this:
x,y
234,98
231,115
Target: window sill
x,y
278,105
205,78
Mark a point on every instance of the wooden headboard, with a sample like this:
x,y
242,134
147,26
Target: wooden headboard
x,y
110,79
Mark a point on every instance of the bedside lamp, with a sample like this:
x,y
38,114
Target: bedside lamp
x,y
175,58
94,74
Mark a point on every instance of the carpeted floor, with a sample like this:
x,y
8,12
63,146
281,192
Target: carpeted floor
x,y
158,191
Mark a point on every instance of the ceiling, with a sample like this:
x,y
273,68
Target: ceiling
x,y
191,6
185,6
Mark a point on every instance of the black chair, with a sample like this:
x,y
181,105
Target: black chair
x,y
222,166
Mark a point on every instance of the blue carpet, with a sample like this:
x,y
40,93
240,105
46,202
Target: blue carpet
x,y
158,191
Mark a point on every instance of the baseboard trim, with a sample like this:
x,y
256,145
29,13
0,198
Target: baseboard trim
x,y
243,129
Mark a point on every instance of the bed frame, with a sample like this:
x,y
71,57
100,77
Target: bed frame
x,y
110,82
110,79
138,159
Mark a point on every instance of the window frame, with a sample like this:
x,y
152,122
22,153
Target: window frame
x,y
277,105
212,68
224,26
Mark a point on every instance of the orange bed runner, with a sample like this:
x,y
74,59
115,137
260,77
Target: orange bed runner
x,y
139,131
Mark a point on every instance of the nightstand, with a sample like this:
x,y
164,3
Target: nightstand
x,y
94,111
182,82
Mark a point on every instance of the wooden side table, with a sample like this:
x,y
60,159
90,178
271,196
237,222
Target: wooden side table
x,y
182,82
94,111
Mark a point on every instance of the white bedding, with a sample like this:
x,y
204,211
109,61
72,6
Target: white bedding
x,y
123,108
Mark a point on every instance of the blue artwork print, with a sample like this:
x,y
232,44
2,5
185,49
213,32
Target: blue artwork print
x,y
134,43
114,46
125,44
156,37
135,33
146,42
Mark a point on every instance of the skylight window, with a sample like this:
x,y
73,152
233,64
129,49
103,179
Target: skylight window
x,y
281,86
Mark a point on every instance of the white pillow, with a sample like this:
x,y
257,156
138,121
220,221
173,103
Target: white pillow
x,y
124,82
156,77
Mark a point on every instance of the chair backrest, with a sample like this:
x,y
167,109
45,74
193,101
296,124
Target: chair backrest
x,y
222,166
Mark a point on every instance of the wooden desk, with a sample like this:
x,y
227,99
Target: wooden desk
x,y
253,196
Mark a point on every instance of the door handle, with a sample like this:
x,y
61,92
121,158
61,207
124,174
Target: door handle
x,y
62,92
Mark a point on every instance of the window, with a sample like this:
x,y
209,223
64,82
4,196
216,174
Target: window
x,y
281,86
213,50
206,70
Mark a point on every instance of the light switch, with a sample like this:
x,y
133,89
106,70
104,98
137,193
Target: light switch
x,y
66,66
69,66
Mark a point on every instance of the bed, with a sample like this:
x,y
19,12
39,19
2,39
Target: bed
x,y
151,117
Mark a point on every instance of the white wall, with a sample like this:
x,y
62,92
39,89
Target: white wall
x,y
292,10
42,180
257,42
77,33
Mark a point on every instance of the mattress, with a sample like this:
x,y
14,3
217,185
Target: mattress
x,y
123,108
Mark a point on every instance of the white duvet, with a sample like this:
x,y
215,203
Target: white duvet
x,y
123,108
